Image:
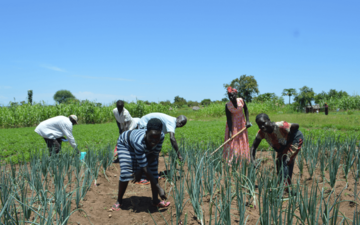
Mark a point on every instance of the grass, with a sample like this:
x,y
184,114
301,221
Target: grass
x,y
18,142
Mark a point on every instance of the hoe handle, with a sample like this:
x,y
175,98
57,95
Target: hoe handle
x,y
228,141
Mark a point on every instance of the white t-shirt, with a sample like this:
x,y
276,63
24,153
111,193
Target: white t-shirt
x,y
56,127
134,123
125,117
169,122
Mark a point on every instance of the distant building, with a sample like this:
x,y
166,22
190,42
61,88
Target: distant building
x,y
313,109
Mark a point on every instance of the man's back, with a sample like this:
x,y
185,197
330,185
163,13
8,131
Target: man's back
x,y
169,122
54,127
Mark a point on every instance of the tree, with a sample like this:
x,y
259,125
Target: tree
x,y
246,85
265,97
306,95
62,96
30,94
320,97
335,94
179,101
192,103
331,94
289,92
167,102
206,101
224,100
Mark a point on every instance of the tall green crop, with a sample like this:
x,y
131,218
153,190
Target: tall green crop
x,y
87,112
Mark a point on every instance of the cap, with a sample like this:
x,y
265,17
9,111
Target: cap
x,y
74,118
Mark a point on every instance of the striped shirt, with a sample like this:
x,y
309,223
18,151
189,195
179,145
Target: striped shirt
x,y
137,145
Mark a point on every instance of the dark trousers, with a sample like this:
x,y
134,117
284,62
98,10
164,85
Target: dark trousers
x,y
54,144
283,165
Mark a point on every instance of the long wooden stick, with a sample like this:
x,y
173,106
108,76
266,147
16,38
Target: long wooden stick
x,y
228,141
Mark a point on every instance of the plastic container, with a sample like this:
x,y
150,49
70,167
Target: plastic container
x,y
82,155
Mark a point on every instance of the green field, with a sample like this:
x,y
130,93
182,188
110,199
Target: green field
x,y
201,130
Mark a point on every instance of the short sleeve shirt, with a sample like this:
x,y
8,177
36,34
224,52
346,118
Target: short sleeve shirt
x,y
278,137
169,122
123,117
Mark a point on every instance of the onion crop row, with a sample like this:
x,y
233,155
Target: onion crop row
x,y
41,191
209,178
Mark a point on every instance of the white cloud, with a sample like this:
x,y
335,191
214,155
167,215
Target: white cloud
x,y
103,98
55,68
102,78
5,87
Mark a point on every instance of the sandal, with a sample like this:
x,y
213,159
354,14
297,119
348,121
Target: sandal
x,y
162,204
144,182
117,207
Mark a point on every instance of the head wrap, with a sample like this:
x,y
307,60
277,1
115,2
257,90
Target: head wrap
x,y
262,115
231,90
154,124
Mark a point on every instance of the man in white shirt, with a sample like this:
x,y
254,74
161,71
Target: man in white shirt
x,y
169,125
124,121
53,130
123,118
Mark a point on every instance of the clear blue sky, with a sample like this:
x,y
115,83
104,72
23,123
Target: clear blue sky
x,y
157,49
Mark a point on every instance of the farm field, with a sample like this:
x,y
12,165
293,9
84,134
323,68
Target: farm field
x,y
19,142
202,190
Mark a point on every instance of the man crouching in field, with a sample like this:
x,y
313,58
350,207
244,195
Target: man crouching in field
x,y
285,138
53,130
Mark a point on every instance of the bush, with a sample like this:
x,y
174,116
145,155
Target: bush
x,y
206,102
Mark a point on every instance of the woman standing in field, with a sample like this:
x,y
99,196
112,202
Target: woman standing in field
x,y
239,146
326,109
138,152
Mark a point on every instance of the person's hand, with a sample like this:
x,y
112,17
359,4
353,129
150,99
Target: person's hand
x,y
161,193
230,134
248,124
180,157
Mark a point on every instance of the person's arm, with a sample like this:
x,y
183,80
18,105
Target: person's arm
x,y
127,120
248,124
228,120
290,137
127,125
175,145
253,148
118,124
154,183
67,131
144,169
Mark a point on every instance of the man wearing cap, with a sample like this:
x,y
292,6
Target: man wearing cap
x,y
53,130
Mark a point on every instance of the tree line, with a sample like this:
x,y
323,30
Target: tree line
x,y
247,87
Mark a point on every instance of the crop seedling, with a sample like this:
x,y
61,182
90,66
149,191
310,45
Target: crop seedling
x,y
334,163
349,154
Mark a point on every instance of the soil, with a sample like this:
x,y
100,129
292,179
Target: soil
x,y
137,204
